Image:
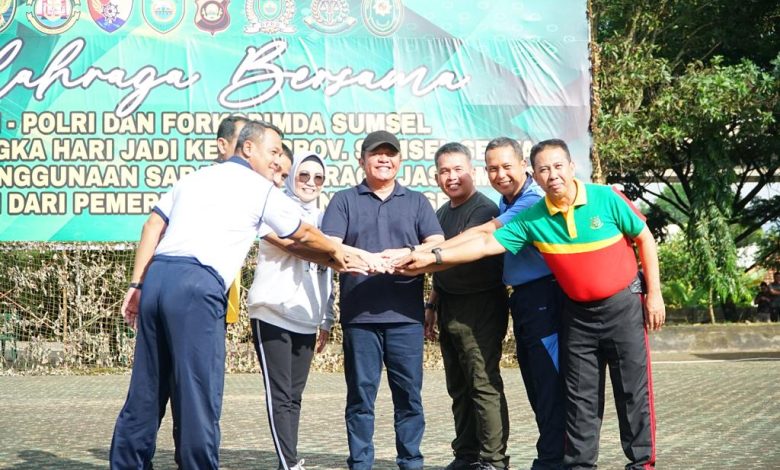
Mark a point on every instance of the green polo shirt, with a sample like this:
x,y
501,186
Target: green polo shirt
x,y
589,247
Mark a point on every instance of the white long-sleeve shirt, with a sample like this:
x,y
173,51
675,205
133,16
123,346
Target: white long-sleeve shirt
x,y
289,292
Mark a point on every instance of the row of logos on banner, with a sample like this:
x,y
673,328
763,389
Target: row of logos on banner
x,y
380,17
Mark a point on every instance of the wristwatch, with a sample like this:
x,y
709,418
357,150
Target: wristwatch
x,y
437,253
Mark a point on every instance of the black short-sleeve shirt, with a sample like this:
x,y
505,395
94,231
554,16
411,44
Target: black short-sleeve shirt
x,y
478,276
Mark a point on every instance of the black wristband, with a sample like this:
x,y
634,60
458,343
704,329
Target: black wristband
x,y
429,305
437,253
136,285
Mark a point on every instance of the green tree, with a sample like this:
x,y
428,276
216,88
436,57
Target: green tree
x,y
679,289
689,99
685,31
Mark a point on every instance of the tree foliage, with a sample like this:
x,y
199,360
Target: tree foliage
x,y
681,288
690,99
769,249
685,31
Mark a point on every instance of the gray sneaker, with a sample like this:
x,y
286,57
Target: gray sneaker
x,y
299,465
485,466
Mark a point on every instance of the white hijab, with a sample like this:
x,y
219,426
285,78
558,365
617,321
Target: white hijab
x,y
289,183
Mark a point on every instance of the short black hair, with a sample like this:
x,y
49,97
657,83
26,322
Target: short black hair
x,y
499,142
287,152
255,129
549,143
227,128
451,147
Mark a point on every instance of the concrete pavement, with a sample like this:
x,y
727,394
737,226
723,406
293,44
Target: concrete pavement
x,y
713,411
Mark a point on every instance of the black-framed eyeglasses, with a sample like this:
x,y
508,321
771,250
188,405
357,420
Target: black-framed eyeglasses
x,y
305,176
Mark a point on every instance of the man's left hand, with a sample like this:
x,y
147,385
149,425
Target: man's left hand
x,y
415,263
339,259
322,340
655,311
394,254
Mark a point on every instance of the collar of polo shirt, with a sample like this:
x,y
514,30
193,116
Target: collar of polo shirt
x,y
580,200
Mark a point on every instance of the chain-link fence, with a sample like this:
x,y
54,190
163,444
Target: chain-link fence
x,y
59,312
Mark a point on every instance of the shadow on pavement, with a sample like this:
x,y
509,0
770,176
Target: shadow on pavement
x,y
43,460
229,459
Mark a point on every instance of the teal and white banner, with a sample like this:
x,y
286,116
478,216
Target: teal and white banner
x,y
105,103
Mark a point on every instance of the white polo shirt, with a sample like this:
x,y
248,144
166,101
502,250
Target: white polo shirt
x,y
214,215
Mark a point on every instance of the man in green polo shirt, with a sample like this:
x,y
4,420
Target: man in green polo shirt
x,y
585,234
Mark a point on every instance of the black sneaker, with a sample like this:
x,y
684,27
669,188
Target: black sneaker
x,y
461,464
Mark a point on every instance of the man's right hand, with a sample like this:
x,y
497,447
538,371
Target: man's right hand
x,y
430,324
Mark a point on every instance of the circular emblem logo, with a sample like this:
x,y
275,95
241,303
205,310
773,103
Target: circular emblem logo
x,y
269,16
53,16
383,17
330,16
211,11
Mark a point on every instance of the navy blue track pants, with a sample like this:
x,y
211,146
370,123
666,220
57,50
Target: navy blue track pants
x,y
179,354
536,320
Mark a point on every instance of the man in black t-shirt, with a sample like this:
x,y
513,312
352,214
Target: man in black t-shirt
x,y
471,300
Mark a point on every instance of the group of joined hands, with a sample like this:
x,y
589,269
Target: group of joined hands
x,y
390,261
406,261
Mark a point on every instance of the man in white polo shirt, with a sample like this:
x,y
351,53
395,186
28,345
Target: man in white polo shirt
x,y
190,249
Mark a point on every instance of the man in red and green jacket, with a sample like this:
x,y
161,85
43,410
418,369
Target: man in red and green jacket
x,y
586,233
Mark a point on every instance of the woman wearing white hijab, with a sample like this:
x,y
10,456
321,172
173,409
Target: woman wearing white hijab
x,y
289,301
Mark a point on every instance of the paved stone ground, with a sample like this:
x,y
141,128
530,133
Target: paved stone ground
x,y
712,412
